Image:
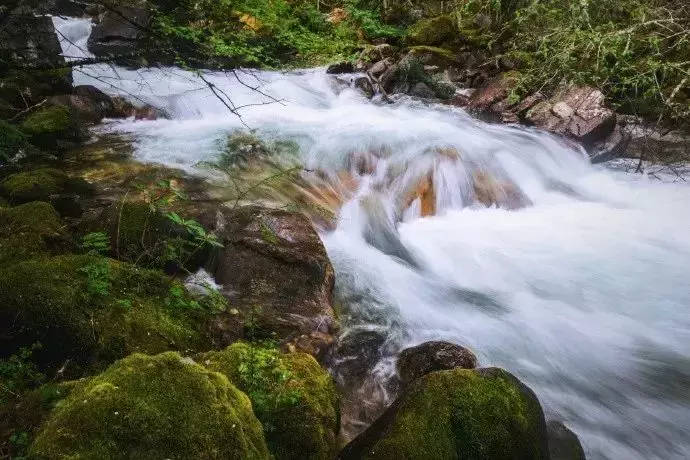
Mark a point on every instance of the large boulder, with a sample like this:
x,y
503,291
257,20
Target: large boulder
x,y
153,407
493,91
91,311
293,397
428,357
120,31
484,414
276,274
53,125
578,112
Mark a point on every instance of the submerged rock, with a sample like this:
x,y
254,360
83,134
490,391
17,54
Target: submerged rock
x,y
466,414
428,357
563,443
153,407
275,271
293,397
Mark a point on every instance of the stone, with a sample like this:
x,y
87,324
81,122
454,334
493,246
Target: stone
x,y
432,31
441,58
577,112
377,53
119,32
495,90
340,67
377,69
160,406
429,357
364,85
86,110
563,443
423,91
274,269
483,414
103,102
30,231
500,193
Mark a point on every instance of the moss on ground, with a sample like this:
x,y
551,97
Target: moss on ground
x,y
160,407
294,398
432,31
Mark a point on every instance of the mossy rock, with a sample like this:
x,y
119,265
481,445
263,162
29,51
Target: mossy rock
x,y
484,414
92,311
50,124
147,237
162,407
42,184
294,398
433,31
434,56
29,231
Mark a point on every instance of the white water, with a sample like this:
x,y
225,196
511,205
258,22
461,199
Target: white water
x,y
583,295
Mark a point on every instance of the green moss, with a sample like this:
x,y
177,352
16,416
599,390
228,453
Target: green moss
x,y
465,414
294,398
153,407
54,119
38,184
28,231
53,301
433,31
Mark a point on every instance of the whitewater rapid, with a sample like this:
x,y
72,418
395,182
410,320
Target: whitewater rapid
x,y
583,294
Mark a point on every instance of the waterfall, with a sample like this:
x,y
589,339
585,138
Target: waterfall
x,y
500,238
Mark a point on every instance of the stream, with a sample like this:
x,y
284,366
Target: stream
x,y
579,286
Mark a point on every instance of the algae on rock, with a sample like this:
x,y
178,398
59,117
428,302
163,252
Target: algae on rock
x,y
29,231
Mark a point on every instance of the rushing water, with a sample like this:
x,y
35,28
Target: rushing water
x,y
583,293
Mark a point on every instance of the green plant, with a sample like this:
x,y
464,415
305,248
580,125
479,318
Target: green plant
x,y
96,243
98,278
178,298
18,373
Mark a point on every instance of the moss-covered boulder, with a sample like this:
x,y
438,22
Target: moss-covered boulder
x,y
294,398
92,311
484,414
49,125
29,231
42,184
433,32
153,407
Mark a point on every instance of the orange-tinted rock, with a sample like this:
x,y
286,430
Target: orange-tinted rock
x,y
424,191
502,194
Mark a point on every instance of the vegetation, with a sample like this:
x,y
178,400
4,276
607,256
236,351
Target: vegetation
x,y
635,51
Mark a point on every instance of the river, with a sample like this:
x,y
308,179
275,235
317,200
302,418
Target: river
x,y
583,293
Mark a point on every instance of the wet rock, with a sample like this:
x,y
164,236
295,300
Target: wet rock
x,y
502,194
160,406
50,126
577,112
380,67
387,82
119,31
428,357
424,192
275,271
563,443
459,413
364,85
86,110
340,67
423,91
102,101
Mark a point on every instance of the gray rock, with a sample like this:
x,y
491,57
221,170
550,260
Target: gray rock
x,y
422,90
433,356
340,67
364,85
563,443
120,31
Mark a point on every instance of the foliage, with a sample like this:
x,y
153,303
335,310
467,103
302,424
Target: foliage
x,y
18,373
98,278
96,243
636,51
